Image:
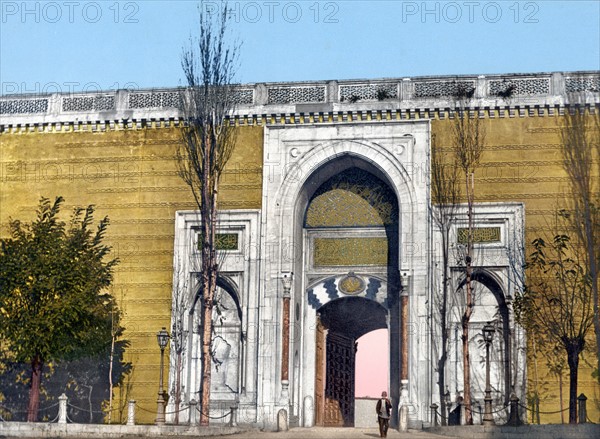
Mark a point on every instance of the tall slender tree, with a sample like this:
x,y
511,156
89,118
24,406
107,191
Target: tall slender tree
x,y
179,333
468,137
207,141
558,299
445,195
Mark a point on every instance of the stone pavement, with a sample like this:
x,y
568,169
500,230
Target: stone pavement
x,y
82,431
334,433
294,433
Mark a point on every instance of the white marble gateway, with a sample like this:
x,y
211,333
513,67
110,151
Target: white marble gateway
x,y
295,295
274,243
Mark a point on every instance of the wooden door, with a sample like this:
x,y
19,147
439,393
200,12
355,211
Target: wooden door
x,y
340,352
320,375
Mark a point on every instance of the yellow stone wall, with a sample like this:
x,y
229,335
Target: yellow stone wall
x,y
131,176
522,162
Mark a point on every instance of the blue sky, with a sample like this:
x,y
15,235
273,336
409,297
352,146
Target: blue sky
x,y
79,45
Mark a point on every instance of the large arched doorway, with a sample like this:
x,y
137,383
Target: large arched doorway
x,y
350,228
340,324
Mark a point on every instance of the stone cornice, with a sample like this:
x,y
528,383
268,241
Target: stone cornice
x,y
493,96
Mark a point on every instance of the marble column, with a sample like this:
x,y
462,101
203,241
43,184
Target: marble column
x,y
285,335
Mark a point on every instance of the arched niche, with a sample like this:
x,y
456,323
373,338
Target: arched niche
x,y
227,341
491,306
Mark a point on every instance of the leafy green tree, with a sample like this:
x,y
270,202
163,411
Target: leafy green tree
x,y
557,301
54,303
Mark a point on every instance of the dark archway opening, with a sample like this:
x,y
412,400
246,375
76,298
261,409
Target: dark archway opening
x,y
341,322
351,224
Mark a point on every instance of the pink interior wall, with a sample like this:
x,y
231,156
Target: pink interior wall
x,y
372,364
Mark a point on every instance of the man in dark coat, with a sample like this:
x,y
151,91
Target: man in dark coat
x,y
384,410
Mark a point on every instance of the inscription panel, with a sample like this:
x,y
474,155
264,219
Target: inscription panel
x,y
481,235
348,252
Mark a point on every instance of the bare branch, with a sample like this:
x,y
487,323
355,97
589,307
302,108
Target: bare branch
x,y
208,138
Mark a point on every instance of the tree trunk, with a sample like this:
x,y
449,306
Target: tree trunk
x,y
34,392
209,273
442,384
536,401
573,350
469,303
467,360
206,364
443,325
209,286
177,388
90,403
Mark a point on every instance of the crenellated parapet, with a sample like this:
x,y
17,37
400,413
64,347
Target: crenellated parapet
x,y
425,97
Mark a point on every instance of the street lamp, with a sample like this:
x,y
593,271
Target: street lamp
x,y
163,338
448,403
488,336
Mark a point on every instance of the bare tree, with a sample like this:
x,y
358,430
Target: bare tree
x,y
179,333
580,141
468,138
445,195
207,142
557,300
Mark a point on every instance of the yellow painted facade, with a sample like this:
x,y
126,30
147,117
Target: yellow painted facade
x,y
522,162
130,174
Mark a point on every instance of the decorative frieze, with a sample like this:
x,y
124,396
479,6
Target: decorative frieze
x,y
437,89
519,87
154,100
23,106
243,96
377,100
88,103
296,95
582,83
368,92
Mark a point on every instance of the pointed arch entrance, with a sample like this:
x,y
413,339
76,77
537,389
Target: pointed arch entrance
x,y
340,324
305,254
351,238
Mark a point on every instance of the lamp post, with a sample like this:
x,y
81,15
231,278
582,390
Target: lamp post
x,y
163,338
488,336
448,403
